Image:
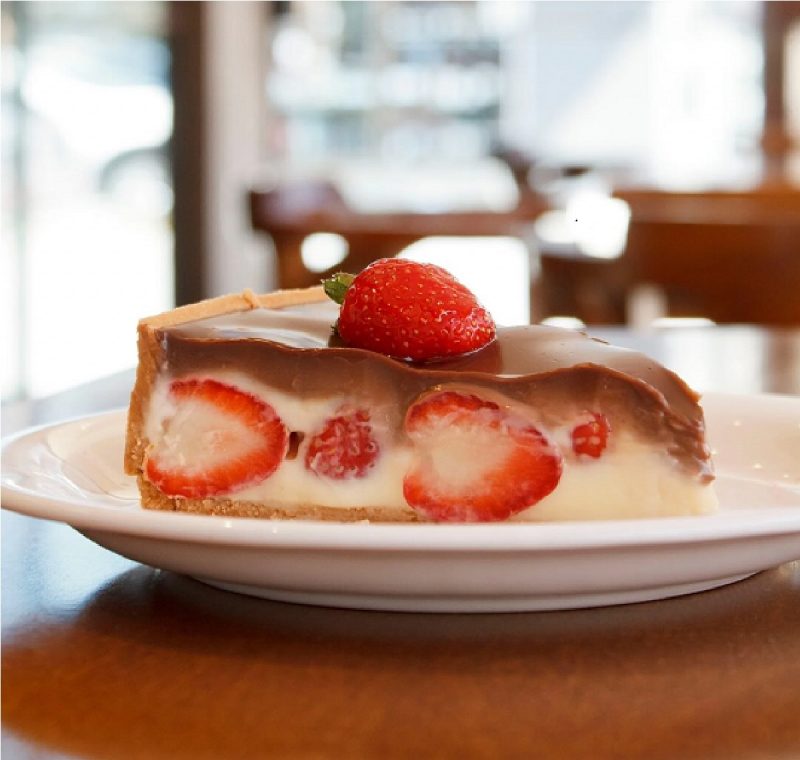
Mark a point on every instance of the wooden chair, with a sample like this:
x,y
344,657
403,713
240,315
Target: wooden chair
x,y
289,214
576,285
730,272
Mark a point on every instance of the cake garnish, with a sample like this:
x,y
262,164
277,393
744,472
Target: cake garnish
x,y
407,310
475,461
219,440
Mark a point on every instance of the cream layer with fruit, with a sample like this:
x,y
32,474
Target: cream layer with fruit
x,y
251,406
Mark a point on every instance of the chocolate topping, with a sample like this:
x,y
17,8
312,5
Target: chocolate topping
x,y
560,373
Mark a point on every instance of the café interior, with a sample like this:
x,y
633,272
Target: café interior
x,y
605,163
627,169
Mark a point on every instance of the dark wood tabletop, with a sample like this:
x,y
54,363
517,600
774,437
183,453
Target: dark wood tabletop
x,y
106,658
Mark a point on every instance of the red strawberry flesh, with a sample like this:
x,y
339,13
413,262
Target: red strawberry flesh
x,y
219,440
345,447
591,438
475,461
413,311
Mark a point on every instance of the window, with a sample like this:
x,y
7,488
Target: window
x,y
671,88
87,191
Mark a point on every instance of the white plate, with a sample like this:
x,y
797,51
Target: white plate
x,y
72,473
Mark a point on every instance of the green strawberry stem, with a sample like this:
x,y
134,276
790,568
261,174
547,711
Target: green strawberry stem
x,y
335,287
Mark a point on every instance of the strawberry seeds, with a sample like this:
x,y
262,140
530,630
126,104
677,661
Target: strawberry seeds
x,y
407,310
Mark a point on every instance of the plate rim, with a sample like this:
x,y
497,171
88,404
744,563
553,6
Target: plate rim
x,y
407,537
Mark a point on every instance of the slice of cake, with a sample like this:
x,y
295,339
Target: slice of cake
x,y
414,408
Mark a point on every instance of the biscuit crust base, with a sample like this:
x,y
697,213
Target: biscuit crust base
x,y
152,498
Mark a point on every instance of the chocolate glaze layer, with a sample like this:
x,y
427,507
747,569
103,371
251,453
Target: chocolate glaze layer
x,y
559,373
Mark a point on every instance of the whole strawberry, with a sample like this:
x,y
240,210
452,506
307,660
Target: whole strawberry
x,y
409,311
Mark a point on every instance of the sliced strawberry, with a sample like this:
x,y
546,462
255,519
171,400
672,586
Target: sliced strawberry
x,y
219,440
344,448
475,461
591,438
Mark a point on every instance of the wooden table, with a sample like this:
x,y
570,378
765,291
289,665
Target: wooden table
x,y
104,658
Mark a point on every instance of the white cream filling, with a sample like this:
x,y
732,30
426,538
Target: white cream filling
x,y
630,479
292,484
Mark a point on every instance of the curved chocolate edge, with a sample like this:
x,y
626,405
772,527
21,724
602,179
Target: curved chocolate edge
x,y
560,373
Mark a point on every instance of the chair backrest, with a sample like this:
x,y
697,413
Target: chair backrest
x,y
292,213
729,272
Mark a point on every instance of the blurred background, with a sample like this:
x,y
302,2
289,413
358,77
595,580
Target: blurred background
x,y
583,162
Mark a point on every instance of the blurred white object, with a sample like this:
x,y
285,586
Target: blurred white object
x,y
100,111
323,250
646,304
567,323
435,187
599,223
588,219
672,322
495,269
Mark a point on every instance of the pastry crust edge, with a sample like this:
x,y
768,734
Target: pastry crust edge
x,y
151,354
152,498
